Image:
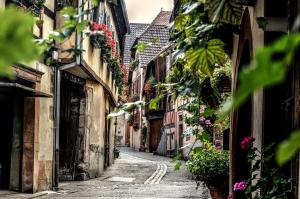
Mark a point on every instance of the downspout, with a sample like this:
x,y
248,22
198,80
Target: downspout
x,y
57,126
56,104
141,98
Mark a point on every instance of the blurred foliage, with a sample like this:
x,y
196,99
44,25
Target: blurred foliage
x,y
16,42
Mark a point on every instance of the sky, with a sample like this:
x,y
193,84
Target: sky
x,y
144,11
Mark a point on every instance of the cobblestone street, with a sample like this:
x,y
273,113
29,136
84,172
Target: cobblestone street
x,y
134,175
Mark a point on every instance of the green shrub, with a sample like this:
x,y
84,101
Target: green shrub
x,y
211,166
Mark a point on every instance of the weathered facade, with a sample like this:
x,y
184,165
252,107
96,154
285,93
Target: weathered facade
x,y
136,29
270,114
146,127
26,137
58,128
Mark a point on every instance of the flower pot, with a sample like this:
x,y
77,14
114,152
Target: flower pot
x,y
215,193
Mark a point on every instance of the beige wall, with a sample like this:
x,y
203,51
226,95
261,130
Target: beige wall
x,y
121,131
2,4
95,124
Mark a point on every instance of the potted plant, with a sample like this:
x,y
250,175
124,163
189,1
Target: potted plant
x,y
211,166
272,183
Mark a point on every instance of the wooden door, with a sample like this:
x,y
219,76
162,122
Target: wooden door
x,y
155,133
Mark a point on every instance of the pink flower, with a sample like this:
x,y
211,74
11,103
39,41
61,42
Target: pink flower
x,y
240,186
202,119
207,122
202,108
229,196
247,143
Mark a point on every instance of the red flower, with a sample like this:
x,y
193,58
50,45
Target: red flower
x,y
247,143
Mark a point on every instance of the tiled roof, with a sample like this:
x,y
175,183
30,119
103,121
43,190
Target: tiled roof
x,y
158,29
136,29
162,18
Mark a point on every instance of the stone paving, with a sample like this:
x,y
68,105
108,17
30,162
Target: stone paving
x,y
134,175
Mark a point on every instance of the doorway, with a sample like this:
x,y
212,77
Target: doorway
x,y
11,120
71,129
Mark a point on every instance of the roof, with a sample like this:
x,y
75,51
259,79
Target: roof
x,y
159,29
163,18
136,29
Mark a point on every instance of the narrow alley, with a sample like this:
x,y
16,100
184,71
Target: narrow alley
x,y
134,175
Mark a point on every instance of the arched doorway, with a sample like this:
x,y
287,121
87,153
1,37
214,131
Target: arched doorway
x,y
241,125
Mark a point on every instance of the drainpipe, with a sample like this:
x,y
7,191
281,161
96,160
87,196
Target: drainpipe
x,y
141,98
57,125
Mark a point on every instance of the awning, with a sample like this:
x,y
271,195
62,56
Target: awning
x,y
18,89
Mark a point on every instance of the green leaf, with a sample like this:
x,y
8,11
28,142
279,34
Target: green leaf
x,y
178,166
154,103
207,58
82,26
181,21
191,7
141,46
267,70
116,114
227,11
288,148
68,11
16,41
95,2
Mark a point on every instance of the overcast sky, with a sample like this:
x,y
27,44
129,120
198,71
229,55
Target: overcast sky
x,y
144,11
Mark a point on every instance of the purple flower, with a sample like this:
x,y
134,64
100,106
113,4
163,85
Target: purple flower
x,y
217,143
229,196
207,122
247,143
202,119
240,186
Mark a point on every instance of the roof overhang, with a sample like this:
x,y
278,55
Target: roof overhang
x,y
15,89
84,71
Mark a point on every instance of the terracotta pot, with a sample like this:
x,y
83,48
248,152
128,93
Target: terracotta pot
x,y
215,193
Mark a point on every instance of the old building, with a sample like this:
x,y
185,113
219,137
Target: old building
x,y
58,129
157,35
136,29
270,114
26,138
